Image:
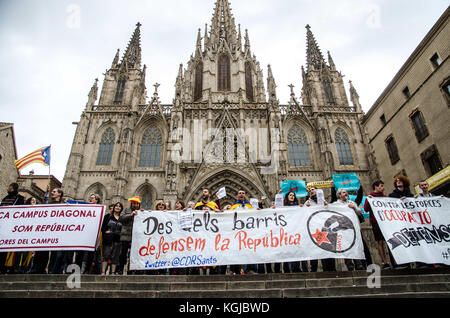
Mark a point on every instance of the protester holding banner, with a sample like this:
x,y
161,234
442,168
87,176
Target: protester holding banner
x,y
401,188
401,191
179,206
290,199
343,199
358,201
424,190
59,260
85,259
13,198
111,229
241,204
378,191
21,261
328,264
206,204
126,219
25,260
40,258
161,206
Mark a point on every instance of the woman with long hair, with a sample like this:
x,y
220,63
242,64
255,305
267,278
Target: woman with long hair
x,y
86,259
111,229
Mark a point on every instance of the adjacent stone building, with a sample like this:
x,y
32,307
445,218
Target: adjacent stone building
x,y
224,127
8,153
32,185
408,126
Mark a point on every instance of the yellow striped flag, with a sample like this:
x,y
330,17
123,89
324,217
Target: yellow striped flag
x,y
42,155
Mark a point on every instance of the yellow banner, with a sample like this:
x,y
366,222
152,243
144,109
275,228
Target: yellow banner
x,y
437,179
320,184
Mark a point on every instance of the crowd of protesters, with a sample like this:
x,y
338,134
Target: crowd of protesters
x,y
112,252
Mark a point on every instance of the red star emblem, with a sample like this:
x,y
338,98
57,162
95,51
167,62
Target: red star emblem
x,y
320,237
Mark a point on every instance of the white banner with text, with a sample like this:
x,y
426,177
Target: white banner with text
x,y
245,237
416,230
50,227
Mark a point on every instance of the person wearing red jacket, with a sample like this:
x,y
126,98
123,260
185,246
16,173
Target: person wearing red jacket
x,y
378,191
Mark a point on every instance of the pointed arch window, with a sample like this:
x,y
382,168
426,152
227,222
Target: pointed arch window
x,y
151,145
224,81
298,147
106,148
328,90
343,147
249,82
99,189
146,199
118,98
198,87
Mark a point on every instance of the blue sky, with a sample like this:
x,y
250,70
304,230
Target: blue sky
x,y
52,51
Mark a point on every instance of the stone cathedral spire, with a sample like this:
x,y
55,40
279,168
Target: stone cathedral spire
x,y
224,69
314,57
132,55
323,85
223,26
124,82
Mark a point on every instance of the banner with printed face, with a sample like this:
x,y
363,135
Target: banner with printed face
x,y
50,227
416,230
245,237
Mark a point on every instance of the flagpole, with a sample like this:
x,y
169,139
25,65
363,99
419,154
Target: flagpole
x,y
49,163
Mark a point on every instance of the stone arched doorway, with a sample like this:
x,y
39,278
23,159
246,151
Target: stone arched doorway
x,y
232,181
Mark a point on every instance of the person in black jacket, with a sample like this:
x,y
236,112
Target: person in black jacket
x,y
111,229
59,259
13,198
401,191
401,188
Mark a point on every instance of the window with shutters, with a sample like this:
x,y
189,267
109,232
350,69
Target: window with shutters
x,y
418,123
431,161
391,147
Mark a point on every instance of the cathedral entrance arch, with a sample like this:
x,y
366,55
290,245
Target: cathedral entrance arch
x,y
232,180
148,194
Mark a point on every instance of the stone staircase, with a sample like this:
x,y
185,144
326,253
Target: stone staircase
x,y
394,283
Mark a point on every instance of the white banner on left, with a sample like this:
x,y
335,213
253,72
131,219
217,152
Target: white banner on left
x,y
50,227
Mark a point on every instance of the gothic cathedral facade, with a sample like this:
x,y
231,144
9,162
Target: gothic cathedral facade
x,y
224,128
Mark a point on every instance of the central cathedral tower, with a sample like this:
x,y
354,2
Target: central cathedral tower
x,y
222,67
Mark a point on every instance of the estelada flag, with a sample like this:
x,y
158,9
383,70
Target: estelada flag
x,y
42,155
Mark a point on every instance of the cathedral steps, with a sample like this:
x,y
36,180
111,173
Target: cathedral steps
x,y
394,283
